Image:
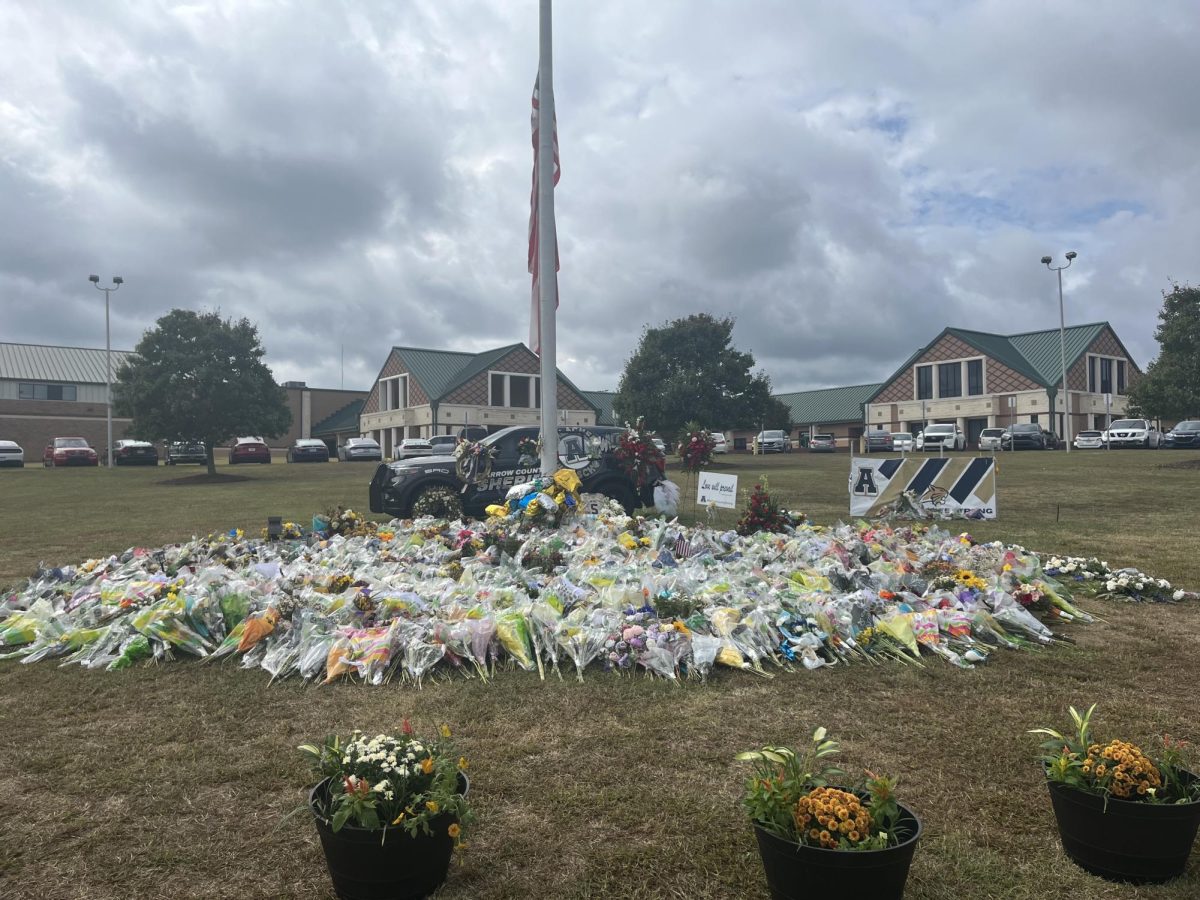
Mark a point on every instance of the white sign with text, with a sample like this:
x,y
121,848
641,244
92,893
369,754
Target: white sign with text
x,y
717,489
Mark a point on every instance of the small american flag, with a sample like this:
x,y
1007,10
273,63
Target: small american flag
x,y
535,319
683,548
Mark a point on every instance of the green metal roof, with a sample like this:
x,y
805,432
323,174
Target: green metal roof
x,y
345,419
603,401
434,370
73,365
1044,353
828,406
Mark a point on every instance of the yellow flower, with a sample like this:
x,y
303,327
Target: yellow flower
x,y
427,765
398,819
462,763
431,805
454,830
445,731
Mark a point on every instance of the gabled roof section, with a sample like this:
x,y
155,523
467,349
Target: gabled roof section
x,y
345,419
479,362
1035,354
73,365
1042,349
829,405
603,401
433,369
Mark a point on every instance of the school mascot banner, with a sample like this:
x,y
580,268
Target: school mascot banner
x,y
947,487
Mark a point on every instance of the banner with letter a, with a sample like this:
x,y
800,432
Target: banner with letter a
x,y
947,487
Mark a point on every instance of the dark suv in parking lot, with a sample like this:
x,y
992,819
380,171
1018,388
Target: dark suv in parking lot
x,y
1025,436
879,440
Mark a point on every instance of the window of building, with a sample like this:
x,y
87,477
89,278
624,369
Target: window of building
x,y
1091,374
1120,376
1106,367
924,382
974,377
393,393
514,391
950,379
29,391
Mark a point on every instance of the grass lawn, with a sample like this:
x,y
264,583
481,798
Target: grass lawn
x,y
174,780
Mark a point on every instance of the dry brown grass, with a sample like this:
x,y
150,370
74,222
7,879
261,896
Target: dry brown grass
x,y
174,780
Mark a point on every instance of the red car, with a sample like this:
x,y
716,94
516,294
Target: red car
x,y
69,451
249,450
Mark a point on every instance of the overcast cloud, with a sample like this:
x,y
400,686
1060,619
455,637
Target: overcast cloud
x,y
845,179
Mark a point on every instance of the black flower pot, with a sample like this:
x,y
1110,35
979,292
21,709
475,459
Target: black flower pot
x,y
1137,842
367,865
796,871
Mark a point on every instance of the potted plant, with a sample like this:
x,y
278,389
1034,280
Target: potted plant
x,y
389,811
1121,814
814,837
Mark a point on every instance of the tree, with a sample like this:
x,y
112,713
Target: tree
x,y
687,370
1170,387
197,377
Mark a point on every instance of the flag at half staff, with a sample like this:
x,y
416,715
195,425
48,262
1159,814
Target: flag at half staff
x,y
535,331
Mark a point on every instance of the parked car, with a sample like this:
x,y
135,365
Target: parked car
x,y
879,441
360,450
822,443
720,445
1185,434
774,442
308,450
69,451
443,444
989,438
411,448
1134,433
396,486
472,432
1089,440
128,452
941,434
12,455
249,450
186,452
902,441
661,447
1024,436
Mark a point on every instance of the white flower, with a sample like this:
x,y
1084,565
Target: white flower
x,y
1111,585
1178,595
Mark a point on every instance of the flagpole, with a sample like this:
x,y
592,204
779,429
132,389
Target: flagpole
x,y
547,246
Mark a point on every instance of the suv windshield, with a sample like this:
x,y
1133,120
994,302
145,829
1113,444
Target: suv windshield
x,y
939,429
1128,423
1032,426
1188,426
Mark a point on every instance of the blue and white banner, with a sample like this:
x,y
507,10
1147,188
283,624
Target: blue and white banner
x,y
941,488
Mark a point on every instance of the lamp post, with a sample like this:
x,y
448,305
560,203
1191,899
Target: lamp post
x,y
117,281
1062,342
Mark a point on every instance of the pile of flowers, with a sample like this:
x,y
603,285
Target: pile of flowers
x,y
344,522
789,795
391,781
1097,579
637,455
1117,769
543,501
438,503
696,450
290,531
763,513
407,598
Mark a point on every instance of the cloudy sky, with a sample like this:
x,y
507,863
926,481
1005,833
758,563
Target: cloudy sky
x,y
844,178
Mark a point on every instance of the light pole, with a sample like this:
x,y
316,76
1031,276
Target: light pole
x,y
116,285
1062,342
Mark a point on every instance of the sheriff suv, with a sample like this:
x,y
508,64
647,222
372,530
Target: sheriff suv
x,y
588,450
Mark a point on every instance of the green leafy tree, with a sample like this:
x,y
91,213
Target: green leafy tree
x,y
198,377
1170,387
688,370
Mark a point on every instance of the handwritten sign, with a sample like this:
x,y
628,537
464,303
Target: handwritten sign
x,y
718,489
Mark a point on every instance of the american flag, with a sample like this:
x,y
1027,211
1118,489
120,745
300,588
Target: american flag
x,y
535,319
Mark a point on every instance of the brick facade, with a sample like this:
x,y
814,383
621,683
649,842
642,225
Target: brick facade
x,y
999,378
34,424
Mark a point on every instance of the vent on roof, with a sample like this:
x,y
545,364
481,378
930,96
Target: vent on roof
x,y
294,384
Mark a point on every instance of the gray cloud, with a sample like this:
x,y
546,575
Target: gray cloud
x,y
845,181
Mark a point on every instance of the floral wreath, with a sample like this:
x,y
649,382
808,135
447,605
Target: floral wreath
x,y
639,458
473,461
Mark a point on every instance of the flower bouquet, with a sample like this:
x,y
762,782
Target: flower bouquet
x,y
473,461
696,449
637,455
389,810
822,838
763,513
1121,814
529,451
